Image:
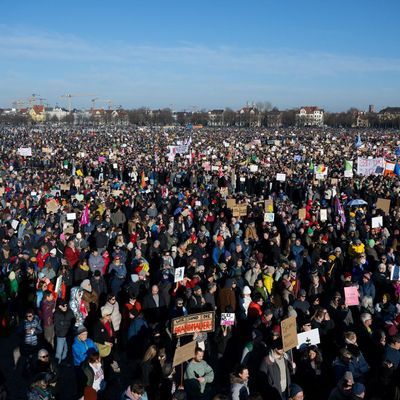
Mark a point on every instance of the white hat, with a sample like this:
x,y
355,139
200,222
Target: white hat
x,y
53,251
246,290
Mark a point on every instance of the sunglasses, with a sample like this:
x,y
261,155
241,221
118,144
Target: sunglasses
x,y
45,356
29,316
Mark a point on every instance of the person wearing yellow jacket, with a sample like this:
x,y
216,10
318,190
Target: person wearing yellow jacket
x,y
356,248
268,279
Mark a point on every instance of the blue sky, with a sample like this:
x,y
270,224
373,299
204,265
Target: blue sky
x,y
204,54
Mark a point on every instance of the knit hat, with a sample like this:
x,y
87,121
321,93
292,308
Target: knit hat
x,y
246,290
80,329
294,390
53,252
367,275
86,285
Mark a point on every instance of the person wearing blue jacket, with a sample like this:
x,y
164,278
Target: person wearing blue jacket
x,y
81,345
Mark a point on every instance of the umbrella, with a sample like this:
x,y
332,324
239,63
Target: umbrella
x,y
357,202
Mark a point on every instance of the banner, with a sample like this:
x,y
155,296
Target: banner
x,y
25,151
370,166
202,322
351,296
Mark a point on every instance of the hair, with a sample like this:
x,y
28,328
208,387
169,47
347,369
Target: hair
x,y
350,335
198,350
239,370
365,316
367,302
137,388
151,352
93,356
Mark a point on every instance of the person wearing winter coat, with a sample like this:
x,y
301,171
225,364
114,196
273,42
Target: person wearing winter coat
x,y
71,254
81,345
227,296
96,261
116,316
239,384
343,389
63,319
78,306
275,373
47,307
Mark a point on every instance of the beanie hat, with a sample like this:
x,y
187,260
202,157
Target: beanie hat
x,y
246,290
294,390
107,309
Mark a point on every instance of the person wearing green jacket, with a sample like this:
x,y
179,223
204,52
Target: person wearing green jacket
x,y
198,377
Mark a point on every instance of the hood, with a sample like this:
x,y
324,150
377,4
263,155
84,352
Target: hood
x,y
235,379
75,291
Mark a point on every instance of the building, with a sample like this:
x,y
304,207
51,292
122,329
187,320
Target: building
x,y
371,109
248,116
274,119
310,116
360,120
56,112
216,118
37,113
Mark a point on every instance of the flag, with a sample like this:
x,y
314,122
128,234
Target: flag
x,y
143,183
397,169
340,211
389,168
348,165
311,166
79,172
85,216
358,142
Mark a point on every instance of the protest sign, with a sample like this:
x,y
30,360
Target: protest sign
x,y
377,222
253,168
227,319
239,210
14,224
289,333
308,338
224,191
269,206
46,150
64,186
184,353
230,203
281,177
202,322
57,288
323,214
348,174
370,166
269,217
25,151
179,274
51,206
71,216
334,181
302,214
2,190
351,296
395,273
384,205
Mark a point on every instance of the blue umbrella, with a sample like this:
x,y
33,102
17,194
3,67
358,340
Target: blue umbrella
x,y
357,202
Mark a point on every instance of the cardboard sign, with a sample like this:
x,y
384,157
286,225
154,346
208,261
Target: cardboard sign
x,y
384,205
224,191
230,203
351,296
65,186
302,214
289,333
281,177
2,190
51,207
46,150
184,353
202,322
305,339
395,273
377,222
334,181
239,210
227,319
179,274
116,193
269,206
269,217
323,214
71,216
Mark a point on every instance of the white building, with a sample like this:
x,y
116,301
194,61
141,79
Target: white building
x,y
310,116
58,112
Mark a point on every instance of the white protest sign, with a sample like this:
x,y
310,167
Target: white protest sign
x,y
14,224
323,214
348,174
395,273
71,216
377,222
25,151
281,177
179,274
253,168
308,338
269,217
227,319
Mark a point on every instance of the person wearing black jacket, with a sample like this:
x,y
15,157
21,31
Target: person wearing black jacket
x,y
63,318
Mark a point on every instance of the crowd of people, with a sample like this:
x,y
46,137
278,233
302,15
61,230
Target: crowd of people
x,y
96,221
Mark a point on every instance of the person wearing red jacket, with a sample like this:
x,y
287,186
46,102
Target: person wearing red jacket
x,y
71,254
42,256
255,307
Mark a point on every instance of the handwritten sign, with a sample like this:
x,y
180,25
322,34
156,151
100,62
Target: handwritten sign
x,y
71,216
323,214
351,296
202,322
269,206
281,177
227,319
269,217
230,203
384,205
302,214
289,333
25,151
51,207
239,210
377,222
184,353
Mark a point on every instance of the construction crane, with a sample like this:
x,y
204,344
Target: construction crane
x,y
32,99
108,101
94,102
41,99
70,96
19,103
